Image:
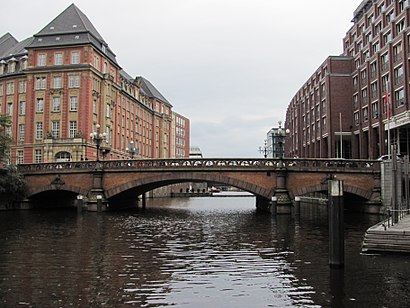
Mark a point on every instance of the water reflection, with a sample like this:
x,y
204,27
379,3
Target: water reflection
x,y
194,252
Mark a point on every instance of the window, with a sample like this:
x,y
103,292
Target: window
x,y
366,114
55,129
397,52
37,156
39,130
22,86
364,96
57,84
10,109
73,103
22,108
41,59
40,105
398,75
385,82
20,157
355,101
356,118
10,88
390,16
373,69
1,89
376,47
21,132
108,111
374,88
56,104
400,26
74,81
377,28
73,128
387,38
385,61
375,110
75,57
363,75
41,83
58,58
399,97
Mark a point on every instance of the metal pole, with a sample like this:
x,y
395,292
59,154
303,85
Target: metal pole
x,y
394,187
406,180
336,223
341,138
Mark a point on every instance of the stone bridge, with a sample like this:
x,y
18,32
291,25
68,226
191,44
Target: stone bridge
x,y
122,181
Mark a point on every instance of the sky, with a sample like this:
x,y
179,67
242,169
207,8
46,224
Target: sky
x,y
230,66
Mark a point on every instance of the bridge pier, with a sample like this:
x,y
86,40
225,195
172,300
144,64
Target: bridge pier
x,y
96,198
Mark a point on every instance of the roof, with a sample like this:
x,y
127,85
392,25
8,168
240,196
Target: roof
x,y
151,91
71,27
7,42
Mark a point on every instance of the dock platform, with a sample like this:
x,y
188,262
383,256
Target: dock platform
x,y
396,238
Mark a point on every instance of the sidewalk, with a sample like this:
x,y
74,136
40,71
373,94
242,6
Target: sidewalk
x,y
395,238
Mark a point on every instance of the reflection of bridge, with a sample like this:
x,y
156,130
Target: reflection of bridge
x,y
121,181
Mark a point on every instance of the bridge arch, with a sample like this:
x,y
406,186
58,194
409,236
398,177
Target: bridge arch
x,y
47,188
149,183
323,188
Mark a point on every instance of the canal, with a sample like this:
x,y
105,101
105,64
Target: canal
x,y
197,252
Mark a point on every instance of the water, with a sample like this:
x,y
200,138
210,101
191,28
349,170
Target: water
x,y
198,252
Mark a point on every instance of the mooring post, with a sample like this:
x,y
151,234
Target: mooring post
x,y
99,203
273,205
336,223
144,201
297,206
80,202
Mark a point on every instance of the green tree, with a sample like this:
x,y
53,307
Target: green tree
x,y
5,139
12,184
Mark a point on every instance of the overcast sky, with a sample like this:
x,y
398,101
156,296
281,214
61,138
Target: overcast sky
x,y
230,66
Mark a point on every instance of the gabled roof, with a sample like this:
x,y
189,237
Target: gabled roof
x,y
18,49
151,91
71,27
7,42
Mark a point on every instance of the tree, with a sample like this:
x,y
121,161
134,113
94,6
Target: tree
x,y
5,139
12,184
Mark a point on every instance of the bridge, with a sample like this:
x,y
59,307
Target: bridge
x,y
115,182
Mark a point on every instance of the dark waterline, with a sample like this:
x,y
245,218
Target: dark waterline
x,y
197,252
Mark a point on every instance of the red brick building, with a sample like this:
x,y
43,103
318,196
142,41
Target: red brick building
x,y
372,96
65,83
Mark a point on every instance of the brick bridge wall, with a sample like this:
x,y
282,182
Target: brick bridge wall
x,y
258,176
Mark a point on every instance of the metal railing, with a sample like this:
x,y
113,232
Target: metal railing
x,y
268,164
393,216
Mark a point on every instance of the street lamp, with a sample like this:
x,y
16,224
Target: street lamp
x,y
281,136
97,137
132,149
265,149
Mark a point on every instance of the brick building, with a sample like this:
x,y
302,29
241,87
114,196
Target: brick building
x,y
356,104
64,83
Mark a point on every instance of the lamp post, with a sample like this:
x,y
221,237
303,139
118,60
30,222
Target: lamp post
x,y
281,136
97,137
265,149
132,149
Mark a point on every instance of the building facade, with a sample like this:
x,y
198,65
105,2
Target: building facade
x,y
364,109
64,83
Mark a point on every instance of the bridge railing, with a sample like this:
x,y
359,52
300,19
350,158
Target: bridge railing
x,y
269,164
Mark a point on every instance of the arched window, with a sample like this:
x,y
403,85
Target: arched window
x,y
63,156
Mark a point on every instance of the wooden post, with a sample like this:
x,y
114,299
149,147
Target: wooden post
x,y
144,201
79,204
274,205
336,223
297,206
99,203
